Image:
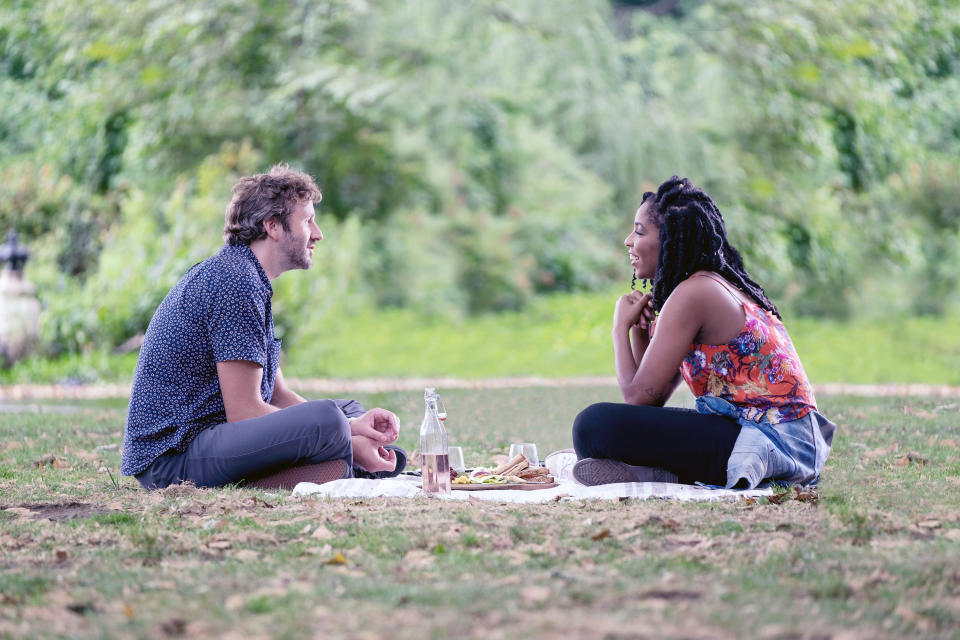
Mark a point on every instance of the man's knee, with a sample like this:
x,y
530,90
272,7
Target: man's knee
x,y
331,427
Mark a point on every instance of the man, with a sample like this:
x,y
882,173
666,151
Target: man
x,y
209,404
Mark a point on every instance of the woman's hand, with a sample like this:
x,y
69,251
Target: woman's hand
x,y
633,309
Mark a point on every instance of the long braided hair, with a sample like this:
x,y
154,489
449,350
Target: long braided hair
x,y
693,238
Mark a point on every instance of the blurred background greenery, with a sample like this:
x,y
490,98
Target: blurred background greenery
x,y
477,156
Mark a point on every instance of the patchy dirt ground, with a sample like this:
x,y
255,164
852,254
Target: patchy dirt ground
x,y
872,554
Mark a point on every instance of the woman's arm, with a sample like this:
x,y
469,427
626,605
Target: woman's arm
x,y
651,378
631,334
639,341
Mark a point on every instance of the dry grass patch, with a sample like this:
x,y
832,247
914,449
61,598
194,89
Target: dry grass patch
x,y
873,554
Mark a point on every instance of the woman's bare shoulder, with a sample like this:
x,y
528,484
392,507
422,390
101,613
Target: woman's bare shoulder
x,y
699,284
703,295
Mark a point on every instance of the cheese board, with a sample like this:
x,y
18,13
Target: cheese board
x,y
526,486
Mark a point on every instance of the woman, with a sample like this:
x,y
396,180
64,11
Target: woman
x,y
756,417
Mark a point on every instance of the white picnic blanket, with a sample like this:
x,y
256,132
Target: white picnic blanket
x,y
560,463
408,487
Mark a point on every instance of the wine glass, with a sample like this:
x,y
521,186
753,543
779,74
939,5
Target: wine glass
x,y
528,449
456,459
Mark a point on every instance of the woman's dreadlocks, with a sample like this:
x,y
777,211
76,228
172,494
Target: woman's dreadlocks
x,y
693,238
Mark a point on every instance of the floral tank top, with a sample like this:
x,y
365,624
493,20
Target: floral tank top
x,y
758,371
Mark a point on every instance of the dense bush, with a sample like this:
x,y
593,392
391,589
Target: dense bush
x,y
473,155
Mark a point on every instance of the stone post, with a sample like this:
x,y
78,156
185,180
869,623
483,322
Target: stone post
x,y
19,308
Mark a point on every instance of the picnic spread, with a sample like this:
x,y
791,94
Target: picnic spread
x,y
564,487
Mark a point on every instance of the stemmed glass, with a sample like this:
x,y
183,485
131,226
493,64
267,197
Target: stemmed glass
x,y
528,449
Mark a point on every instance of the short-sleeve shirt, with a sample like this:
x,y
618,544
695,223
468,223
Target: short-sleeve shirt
x,y
219,311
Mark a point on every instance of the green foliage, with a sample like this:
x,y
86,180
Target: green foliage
x,y
472,155
555,336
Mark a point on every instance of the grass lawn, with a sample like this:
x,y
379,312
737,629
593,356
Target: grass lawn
x,y
560,335
87,554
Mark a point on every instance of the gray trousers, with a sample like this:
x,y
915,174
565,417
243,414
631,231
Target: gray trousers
x,y
306,433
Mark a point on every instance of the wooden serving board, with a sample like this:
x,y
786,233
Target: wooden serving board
x,y
526,486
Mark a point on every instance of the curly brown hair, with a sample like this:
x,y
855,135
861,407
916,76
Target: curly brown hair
x,y
266,195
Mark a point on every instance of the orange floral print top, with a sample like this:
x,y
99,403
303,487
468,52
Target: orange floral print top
x,y
758,371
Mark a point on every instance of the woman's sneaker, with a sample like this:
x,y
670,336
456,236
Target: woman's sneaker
x,y
594,471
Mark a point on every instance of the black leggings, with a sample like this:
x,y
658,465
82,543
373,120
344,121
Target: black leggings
x,y
693,445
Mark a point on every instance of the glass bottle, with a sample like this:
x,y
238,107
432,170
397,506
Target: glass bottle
x,y
434,454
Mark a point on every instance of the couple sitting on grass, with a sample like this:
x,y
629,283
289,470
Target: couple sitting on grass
x,y
209,404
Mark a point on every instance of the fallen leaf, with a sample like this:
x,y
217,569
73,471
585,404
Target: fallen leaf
x,y
534,593
881,451
220,545
778,544
689,540
916,458
663,594
318,551
418,558
174,627
10,542
60,555
808,495
924,624
779,498
235,601
51,460
321,533
214,523
86,455
338,558
929,524
246,555
162,585
920,413
860,583
600,536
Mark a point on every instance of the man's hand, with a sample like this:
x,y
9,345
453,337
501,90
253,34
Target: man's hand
x,y
379,425
371,455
